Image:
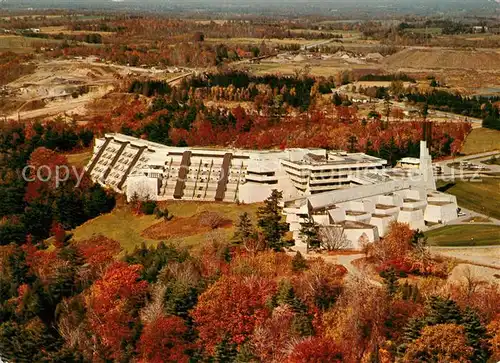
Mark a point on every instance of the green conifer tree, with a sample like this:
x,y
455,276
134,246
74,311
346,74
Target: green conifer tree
x,y
476,335
244,229
225,352
299,263
271,221
309,232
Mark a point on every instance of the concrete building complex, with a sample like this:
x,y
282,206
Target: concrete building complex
x,y
133,166
355,192
364,213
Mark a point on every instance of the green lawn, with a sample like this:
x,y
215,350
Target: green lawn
x,y
465,235
125,227
482,197
481,140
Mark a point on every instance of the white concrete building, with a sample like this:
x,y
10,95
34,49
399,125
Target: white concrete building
x,y
366,212
130,165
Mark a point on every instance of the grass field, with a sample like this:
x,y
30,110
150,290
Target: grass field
x,y
65,30
465,235
482,197
18,44
125,227
481,140
79,160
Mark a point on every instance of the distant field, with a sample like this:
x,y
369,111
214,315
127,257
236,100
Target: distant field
x,y
64,30
258,41
433,31
345,33
481,140
124,226
465,235
325,69
433,58
482,197
18,44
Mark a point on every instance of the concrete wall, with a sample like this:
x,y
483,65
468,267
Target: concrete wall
x,y
382,224
415,218
354,236
254,192
322,219
144,187
441,213
337,215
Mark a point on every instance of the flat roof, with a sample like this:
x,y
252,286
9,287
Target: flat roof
x,y
440,203
355,213
319,201
384,206
338,159
356,225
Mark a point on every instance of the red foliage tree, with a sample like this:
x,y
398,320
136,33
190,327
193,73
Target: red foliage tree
x,y
162,341
315,350
98,252
59,234
43,163
111,304
42,263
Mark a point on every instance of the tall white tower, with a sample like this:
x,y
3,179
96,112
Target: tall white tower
x,y
426,170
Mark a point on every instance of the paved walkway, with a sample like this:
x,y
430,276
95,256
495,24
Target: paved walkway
x,y
476,159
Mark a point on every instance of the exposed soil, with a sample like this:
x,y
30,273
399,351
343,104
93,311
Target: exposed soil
x,y
445,58
185,226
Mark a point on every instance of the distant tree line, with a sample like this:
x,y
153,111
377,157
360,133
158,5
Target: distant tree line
x,y
35,209
485,108
387,78
149,88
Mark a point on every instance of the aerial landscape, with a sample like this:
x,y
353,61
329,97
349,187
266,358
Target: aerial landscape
x,y
249,181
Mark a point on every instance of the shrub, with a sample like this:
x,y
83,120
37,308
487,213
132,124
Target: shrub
x,y
148,207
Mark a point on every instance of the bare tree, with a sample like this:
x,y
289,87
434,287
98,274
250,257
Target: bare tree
x,y
255,243
212,219
364,243
333,238
471,283
154,309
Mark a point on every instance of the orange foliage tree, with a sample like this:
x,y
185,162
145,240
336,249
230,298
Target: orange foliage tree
x,y
494,333
231,308
395,245
357,321
440,343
